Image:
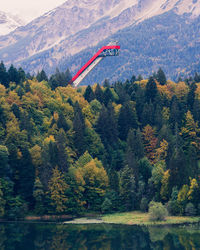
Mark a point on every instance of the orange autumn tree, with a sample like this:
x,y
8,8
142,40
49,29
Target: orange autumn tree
x,y
150,142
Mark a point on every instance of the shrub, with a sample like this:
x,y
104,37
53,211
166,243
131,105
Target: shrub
x,y
157,212
144,204
173,207
190,209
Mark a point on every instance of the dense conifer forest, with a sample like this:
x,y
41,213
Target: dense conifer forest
x,y
98,148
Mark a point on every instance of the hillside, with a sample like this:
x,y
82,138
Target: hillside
x,y
9,23
113,148
57,38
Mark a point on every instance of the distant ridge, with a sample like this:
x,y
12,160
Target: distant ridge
x,y
57,38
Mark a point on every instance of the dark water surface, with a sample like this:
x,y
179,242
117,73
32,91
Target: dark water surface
x,y
28,236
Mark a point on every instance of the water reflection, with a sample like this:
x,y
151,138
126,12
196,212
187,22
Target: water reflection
x,y
28,236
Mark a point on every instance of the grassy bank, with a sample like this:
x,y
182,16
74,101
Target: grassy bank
x,y
139,218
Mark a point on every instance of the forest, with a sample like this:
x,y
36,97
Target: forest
x,y
103,149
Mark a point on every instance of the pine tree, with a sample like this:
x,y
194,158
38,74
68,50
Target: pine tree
x,y
106,125
4,167
13,74
99,93
127,189
79,130
107,96
62,156
26,176
62,123
41,76
178,169
151,90
127,119
134,151
89,94
38,194
160,77
4,79
191,95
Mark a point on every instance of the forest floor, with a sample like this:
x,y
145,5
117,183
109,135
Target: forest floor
x,y
139,218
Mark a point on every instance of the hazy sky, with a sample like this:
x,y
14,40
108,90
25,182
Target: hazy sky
x,y
29,9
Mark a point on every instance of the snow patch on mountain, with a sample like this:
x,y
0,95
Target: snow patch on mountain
x,y
9,23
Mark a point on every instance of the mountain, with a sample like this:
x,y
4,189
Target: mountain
x,y
152,33
9,23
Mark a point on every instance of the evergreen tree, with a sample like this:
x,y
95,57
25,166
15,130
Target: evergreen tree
x,y
197,77
21,75
89,94
107,96
62,123
13,74
191,96
127,189
151,90
4,167
175,113
79,130
106,125
4,79
38,194
127,119
26,176
41,76
99,93
134,152
62,155
178,169
160,77
16,111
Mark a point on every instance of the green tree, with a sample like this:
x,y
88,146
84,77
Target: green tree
x,y
160,77
13,74
62,158
106,125
106,206
99,93
26,176
4,167
38,194
183,198
4,79
151,90
41,76
79,130
127,189
89,94
127,119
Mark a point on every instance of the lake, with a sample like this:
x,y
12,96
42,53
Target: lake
x,y
46,236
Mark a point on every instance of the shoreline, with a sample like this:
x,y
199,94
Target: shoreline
x,y
127,218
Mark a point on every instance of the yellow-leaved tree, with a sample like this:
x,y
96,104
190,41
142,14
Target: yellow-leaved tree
x,y
57,187
94,180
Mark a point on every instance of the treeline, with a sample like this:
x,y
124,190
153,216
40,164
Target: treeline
x,y
101,148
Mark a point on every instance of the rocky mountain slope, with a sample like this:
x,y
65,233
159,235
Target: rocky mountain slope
x,y
58,37
9,23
